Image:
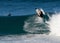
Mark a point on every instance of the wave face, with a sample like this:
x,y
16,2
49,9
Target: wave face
x,y
12,24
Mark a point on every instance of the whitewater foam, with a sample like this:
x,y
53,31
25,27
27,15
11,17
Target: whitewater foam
x,y
54,24
30,38
35,24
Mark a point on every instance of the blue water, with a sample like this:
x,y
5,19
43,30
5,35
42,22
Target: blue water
x,y
24,26
27,7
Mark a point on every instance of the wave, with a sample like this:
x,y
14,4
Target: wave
x,y
35,24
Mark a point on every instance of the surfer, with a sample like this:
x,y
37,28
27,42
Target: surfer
x,y
39,12
42,14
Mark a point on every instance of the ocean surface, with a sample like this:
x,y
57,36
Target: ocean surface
x,y
24,26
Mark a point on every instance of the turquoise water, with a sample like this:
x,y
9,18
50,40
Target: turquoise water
x,y
12,24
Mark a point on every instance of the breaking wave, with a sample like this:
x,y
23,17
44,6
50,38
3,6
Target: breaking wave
x,y
36,24
54,24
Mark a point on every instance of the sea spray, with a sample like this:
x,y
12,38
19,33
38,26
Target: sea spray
x,y
54,24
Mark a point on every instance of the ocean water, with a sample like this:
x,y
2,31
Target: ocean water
x,y
24,26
